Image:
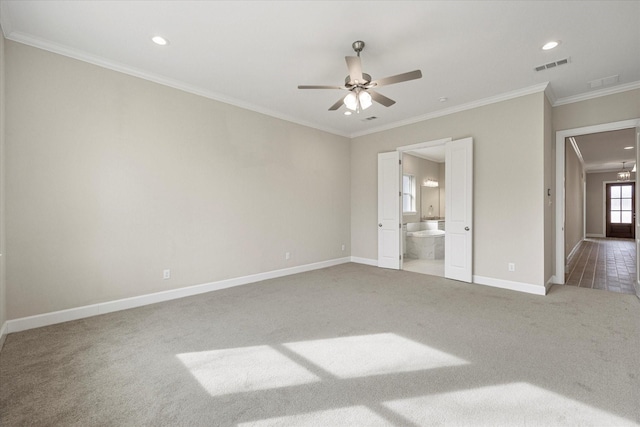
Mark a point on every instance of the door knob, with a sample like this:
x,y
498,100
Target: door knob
x,y
380,225
466,229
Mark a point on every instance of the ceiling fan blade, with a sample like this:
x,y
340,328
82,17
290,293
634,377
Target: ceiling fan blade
x,y
411,75
381,99
320,87
337,105
355,69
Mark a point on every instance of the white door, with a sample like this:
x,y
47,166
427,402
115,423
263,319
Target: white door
x,y
389,222
458,238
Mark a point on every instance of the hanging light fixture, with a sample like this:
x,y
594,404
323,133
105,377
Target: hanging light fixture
x,y
624,175
358,100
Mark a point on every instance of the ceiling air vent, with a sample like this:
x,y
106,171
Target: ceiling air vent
x,y
369,119
552,64
605,81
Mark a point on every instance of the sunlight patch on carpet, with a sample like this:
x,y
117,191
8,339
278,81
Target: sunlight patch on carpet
x,y
347,417
509,404
375,354
244,369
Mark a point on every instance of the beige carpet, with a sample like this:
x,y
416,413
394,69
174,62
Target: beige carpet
x,y
350,345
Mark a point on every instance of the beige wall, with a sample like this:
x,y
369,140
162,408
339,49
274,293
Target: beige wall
x,y
574,200
606,109
110,179
508,180
595,201
3,287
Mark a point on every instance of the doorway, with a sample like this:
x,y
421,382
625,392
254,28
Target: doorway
x,y
563,264
458,237
423,210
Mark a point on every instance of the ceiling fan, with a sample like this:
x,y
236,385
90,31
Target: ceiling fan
x,y
360,85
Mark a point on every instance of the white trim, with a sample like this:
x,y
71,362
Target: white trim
x,y
560,147
52,318
549,284
594,235
366,261
574,144
508,284
3,334
468,106
428,144
597,94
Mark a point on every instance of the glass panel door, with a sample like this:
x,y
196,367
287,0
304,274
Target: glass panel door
x,y
620,202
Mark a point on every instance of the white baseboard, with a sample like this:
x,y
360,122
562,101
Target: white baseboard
x,y
3,334
514,286
367,261
575,248
37,321
594,235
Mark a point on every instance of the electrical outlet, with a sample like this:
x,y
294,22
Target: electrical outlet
x,y
166,274
287,255
512,266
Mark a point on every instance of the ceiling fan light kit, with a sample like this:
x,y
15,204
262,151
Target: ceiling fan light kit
x,y
360,85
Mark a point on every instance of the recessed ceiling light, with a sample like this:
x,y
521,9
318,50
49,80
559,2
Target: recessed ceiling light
x,y
628,148
159,40
347,113
550,45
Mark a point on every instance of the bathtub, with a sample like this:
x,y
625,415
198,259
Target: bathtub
x,y
425,244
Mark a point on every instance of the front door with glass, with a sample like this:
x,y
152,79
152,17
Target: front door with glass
x,y
620,203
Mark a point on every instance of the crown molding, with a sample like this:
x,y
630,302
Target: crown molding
x,y
597,93
157,78
468,106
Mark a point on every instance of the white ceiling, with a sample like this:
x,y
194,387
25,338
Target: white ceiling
x,y
605,151
254,54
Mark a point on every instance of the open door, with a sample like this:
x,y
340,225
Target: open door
x,y
458,238
389,222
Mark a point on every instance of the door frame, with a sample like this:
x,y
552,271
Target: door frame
x,y
561,138
402,149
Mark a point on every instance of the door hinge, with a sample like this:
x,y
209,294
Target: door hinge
x,y
399,162
400,257
399,225
400,193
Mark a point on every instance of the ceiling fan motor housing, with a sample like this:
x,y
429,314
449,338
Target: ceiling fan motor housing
x,y
366,80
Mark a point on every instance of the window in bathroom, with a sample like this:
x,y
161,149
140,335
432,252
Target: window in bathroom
x,y
408,193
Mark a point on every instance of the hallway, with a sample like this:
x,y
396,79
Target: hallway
x,y
608,264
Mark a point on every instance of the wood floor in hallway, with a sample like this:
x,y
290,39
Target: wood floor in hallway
x,y
608,264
